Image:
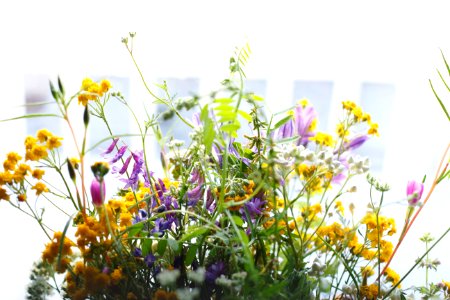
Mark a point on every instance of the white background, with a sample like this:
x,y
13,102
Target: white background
x,y
347,42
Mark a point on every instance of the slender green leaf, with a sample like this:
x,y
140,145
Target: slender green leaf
x,y
446,64
440,102
190,255
30,116
208,135
193,232
61,243
282,122
443,80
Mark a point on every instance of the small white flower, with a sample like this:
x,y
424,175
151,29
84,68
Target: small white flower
x,y
167,277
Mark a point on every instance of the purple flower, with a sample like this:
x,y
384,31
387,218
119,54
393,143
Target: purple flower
x,y
137,252
254,207
414,192
356,142
286,130
214,271
194,195
304,118
98,190
133,180
125,165
111,147
141,216
119,154
149,260
161,225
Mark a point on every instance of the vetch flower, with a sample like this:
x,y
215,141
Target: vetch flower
x,y
111,146
414,192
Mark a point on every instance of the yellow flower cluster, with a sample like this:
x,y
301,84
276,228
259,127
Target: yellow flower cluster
x,y
91,90
314,178
86,280
369,292
58,246
358,117
392,276
323,139
15,171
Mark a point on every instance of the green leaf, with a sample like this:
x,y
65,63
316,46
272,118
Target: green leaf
x,y
61,243
204,114
146,246
282,122
440,102
238,220
173,244
162,245
223,100
244,237
446,64
257,98
193,232
245,115
224,107
190,255
230,127
133,230
208,135
32,116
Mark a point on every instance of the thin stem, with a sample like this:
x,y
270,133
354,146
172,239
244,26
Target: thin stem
x,y
435,182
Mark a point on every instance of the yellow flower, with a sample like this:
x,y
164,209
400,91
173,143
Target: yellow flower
x,y
87,82
30,142
83,99
373,130
38,173
11,161
339,207
303,102
116,276
341,130
3,194
348,105
22,197
367,271
54,142
392,276
43,134
323,139
40,188
105,85
75,162
369,292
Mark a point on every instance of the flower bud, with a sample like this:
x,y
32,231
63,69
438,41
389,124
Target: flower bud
x,y
414,192
98,190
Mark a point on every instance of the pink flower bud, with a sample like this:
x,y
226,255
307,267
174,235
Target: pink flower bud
x,y
414,192
98,191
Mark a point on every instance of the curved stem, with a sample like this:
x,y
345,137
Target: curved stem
x,y
435,182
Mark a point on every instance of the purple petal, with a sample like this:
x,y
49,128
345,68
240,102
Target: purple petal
x,y
112,146
119,154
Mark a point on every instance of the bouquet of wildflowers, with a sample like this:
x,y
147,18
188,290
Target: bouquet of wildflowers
x,y
231,216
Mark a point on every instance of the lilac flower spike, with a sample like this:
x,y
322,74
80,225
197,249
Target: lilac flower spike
x,y
286,130
125,165
414,192
356,142
119,154
304,117
112,146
